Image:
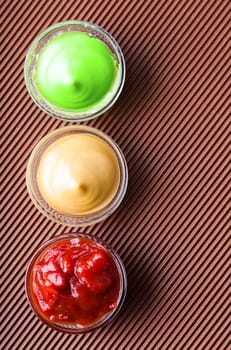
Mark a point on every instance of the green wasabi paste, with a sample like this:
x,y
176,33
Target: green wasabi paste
x,y
75,71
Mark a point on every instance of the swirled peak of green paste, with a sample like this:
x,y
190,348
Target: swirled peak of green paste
x,y
75,71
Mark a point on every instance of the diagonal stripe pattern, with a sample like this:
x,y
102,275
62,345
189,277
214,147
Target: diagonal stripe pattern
x,y
172,123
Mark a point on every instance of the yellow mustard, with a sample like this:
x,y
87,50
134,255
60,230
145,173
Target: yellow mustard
x,y
78,174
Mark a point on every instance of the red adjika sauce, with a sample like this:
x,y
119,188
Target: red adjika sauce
x,y
75,281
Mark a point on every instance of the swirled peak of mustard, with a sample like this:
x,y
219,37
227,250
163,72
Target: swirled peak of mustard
x,y
78,174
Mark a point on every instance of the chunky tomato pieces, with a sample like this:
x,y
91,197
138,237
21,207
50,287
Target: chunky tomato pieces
x,y
75,281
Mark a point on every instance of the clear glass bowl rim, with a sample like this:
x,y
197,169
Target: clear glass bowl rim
x,y
59,113
84,220
123,280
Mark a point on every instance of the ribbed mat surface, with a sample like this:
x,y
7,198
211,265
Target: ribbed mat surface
x,y
172,123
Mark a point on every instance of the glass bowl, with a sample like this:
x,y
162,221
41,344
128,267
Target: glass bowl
x,y
74,327
31,63
78,219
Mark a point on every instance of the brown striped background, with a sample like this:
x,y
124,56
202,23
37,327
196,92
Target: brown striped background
x,y
172,124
